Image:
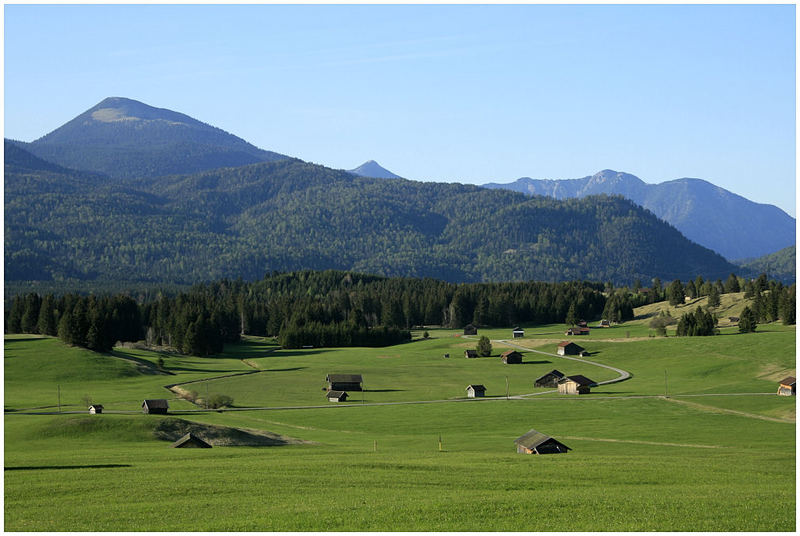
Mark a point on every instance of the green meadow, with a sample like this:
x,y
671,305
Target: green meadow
x,y
716,454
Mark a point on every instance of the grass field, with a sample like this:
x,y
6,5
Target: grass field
x,y
716,455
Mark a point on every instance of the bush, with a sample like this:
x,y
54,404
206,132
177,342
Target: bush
x,y
219,401
484,347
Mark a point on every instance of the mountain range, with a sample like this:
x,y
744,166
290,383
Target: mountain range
x,y
371,168
102,221
720,220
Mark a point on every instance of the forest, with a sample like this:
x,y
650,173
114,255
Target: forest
x,y
336,308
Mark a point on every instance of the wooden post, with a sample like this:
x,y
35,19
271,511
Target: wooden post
x,y
206,394
440,442
59,398
506,387
665,384
375,446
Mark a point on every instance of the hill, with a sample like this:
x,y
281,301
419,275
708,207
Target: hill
x,y
713,217
780,265
124,138
288,215
371,168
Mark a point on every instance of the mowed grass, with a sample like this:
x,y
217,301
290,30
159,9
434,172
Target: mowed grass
x,y
686,463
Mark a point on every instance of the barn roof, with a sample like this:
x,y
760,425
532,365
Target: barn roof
x,y
533,439
98,406
344,378
517,329
476,387
508,353
579,379
335,394
789,380
554,372
156,403
190,438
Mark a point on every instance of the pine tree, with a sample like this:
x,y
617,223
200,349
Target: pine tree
x,y
675,293
713,297
572,317
484,347
732,284
47,317
747,321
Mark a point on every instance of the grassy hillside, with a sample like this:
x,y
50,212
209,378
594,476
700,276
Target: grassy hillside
x,y
696,461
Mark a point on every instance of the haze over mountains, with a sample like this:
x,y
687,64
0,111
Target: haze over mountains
x,y
720,220
144,221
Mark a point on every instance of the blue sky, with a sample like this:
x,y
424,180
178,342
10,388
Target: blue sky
x,y
469,93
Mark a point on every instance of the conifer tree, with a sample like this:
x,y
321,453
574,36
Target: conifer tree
x,y
747,321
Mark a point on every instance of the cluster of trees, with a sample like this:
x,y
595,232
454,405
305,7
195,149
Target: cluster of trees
x,y
341,334
697,323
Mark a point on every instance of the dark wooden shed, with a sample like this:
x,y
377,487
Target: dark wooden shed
x,y
190,441
511,357
344,382
787,386
94,409
157,406
518,332
469,329
538,443
336,396
549,380
475,391
575,385
577,330
471,353
570,348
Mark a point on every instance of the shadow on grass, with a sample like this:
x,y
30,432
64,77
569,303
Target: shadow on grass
x,y
284,369
40,467
25,339
382,390
542,362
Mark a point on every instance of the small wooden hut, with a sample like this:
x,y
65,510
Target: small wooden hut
x,y
570,348
336,396
787,386
471,354
577,330
94,409
475,391
538,443
157,406
190,441
469,329
575,385
518,332
549,380
344,382
511,357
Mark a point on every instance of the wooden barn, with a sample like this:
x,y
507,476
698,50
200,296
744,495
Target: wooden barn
x,y
582,324
475,391
518,332
570,348
469,329
549,380
157,406
94,409
336,396
575,385
190,441
344,382
787,386
577,331
471,354
511,357
537,443
733,319
604,324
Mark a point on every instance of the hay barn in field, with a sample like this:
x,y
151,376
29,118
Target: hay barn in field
x,y
575,385
549,380
344,382
475,391
471,354
190,441
157,406
469,329
538,443
570,348
518,332
336,396
94,409
577,331
787,386
511,357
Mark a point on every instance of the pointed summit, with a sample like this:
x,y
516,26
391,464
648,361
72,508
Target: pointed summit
x,y
371,168
125,138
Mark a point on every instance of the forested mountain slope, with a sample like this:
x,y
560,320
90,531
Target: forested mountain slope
x,y
713,217
289,215
124,138
780,265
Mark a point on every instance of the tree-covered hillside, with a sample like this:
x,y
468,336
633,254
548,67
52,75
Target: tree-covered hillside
x,y
289,215
779,265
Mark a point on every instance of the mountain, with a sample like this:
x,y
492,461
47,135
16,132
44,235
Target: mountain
x,y
713,217
780,265
124,138
63,225
371,168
